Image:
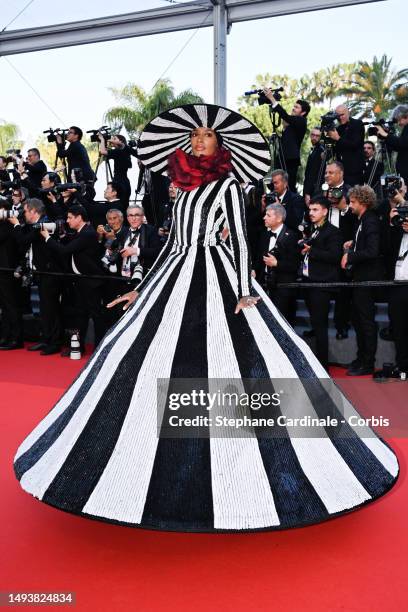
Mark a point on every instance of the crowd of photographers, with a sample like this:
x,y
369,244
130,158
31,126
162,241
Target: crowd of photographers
x,y
350,223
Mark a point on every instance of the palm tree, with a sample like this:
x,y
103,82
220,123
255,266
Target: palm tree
x,y
9,133
376,87
138,107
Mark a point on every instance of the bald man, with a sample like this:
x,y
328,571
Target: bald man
x,y
349,145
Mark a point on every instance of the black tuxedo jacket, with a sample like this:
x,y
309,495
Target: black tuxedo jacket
x,y
400,144
97,210
293,134
149,245
77,157
350,150
36,172
368,166
313,165
83,248
347,224
286,251
366,259
295,209
9,252
325,255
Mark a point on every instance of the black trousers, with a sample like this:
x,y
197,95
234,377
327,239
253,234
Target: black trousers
x,y
125,189
342,307
318,303
90,303
285,302
50,290
11,311
292,166
363,319
398,311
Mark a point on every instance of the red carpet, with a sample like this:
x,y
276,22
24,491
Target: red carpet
x,y
354,563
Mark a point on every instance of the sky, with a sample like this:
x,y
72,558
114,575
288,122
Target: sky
x,y
75,81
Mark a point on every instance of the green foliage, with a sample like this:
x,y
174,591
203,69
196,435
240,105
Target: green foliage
x,y
137,107
376,88
9,137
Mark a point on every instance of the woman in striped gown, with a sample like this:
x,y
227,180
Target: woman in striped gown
x,y
102,452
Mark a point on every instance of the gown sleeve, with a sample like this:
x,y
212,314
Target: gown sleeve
x,y
234,211
161,258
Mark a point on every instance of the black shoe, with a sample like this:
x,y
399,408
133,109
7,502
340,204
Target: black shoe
x,y
342,334
361,370
387,372
11,346
309,333
37,347
356,363
50,349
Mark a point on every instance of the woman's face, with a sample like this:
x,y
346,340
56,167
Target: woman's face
x,y
203,141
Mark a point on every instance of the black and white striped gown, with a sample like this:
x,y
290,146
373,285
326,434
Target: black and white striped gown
x,y
97,452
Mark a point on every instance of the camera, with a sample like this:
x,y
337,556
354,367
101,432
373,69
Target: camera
x,y
391,184
14,184
52,134
402,216
271,198
7,214
328,122
333,193
388,126
262,99
132,144
26,275
104,131
52,227
10,152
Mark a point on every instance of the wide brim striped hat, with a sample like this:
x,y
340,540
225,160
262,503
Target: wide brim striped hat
x,y
171,130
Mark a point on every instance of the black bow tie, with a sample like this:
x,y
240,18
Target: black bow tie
x,y
134,232
274,234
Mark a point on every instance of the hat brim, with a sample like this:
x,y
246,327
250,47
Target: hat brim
x,y
171,130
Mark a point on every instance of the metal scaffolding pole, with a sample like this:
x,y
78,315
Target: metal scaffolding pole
x,y
220,23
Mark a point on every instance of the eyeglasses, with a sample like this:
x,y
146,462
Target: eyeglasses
x,y
136,215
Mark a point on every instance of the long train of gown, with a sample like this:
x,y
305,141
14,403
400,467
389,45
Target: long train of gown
x,y
97,452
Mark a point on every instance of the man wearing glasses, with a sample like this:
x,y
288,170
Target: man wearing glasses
x,y
75,153
142,244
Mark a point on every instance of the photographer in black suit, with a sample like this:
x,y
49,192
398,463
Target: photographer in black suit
x,y
142,243
121,155
321,251
349,145
83,256
295,126
278,260
398,143
369,172
49,287
293,202
362,255
97,210
10,302
76,154
398,301
313,166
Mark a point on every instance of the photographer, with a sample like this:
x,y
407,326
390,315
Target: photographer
x,y
294,131
97,209
154,188
142,244
321,252
398,301
369,155
313,165
49,287
4,174
121,155
82,255
349,145
278,260
76,154
164,230
362,256
293,202
398,143
45,193
34,167
11,335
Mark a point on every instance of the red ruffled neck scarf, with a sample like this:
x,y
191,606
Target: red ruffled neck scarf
x,y
189,172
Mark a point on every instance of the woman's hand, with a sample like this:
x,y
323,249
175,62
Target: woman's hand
x,y
129,298
247,301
